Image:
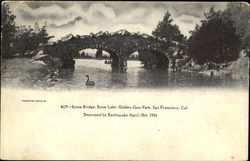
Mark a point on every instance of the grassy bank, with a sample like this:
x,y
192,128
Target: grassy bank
x,y
238,69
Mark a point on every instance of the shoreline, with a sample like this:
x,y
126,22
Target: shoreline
x,y
237,70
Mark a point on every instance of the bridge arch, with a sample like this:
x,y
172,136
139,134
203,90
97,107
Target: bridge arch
x,y
119,44
153,58
113,55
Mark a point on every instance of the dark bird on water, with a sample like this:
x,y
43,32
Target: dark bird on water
x,y
89,83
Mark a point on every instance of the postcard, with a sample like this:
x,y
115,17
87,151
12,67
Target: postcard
x,y
123,80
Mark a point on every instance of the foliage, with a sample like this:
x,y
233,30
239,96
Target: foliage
x,y
214,40
153,60
19,39
169,32
165,29
8,29
239,13
30,38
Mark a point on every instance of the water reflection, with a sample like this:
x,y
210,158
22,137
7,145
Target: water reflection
x,y
21,73
152,78
66,74
119,80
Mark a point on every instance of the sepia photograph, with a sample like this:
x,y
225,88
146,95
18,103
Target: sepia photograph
x,y
124,45
168,78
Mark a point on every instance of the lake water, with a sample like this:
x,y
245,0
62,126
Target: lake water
x,y
20,72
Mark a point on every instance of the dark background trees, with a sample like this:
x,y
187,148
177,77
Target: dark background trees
x,y
168,31
8,29
239,14
214,40
29,38
19,39
219,38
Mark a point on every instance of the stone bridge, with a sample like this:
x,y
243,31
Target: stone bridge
x,y
118,44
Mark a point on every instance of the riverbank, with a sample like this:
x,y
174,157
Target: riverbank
x,y
24,72
238,70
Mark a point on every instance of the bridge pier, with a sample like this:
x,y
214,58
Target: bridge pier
x,y
68,63
115,62
119,63
98,53
122,66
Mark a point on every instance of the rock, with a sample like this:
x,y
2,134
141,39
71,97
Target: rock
x,y
40,44
40,55
91,34
106,33
32,53
181,64
185,57
27,53
175,54
179,61
121,32
49,80
17,54
186,65
227,74
223,65
164,39
197,68
40,52
67,37
193,63
51,62
51,43
209,72
99,33
242,54
145,35
133,33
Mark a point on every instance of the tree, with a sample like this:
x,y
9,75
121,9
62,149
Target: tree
x,y
8,29
214,40
153,60
40,34
175,40
98,53
19,39
30,38
239,14
165,29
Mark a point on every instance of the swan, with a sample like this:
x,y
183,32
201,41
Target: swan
x,y
89,83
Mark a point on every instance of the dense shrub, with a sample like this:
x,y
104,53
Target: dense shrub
x,y
214,40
